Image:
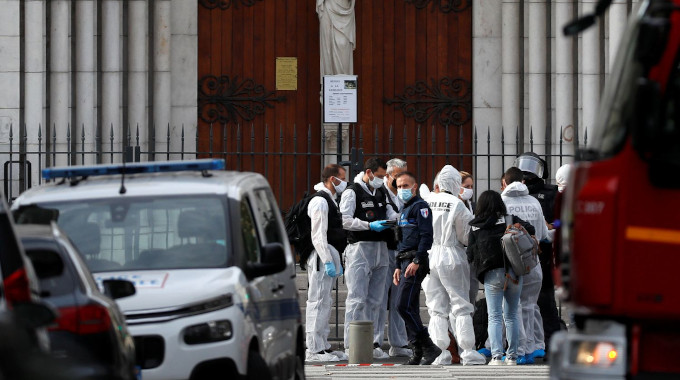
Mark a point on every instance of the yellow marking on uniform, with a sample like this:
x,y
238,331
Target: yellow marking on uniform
x,y
656,235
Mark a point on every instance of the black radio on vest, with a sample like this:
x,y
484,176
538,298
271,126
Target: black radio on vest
x,y
368,208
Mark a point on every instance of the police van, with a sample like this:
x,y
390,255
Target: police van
x,y
207,252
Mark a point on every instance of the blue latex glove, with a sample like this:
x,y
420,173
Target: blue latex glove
x,y
330,268
378,225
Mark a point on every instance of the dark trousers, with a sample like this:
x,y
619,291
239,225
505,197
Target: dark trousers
x,y
408,295
546,298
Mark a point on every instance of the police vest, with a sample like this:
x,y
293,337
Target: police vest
x,y
545,194
368,208
337,237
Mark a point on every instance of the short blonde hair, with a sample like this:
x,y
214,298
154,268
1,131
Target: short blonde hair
x,y
464,175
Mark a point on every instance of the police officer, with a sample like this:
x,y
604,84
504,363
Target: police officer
x,y
364,212
415,224
535,172
396,331
328,239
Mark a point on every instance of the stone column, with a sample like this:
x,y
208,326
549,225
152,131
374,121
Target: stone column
x,y
537,76
138,70
184,68
34,85
564,81
590,54
84,72
511,76
487,103
60,73
161,72
111,78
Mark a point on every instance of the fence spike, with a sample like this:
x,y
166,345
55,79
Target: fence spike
x,y
211,135
585,137
309,138
224,139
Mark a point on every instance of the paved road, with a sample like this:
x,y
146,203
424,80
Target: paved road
x,y
318,372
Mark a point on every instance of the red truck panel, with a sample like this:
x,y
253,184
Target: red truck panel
x,y
626,248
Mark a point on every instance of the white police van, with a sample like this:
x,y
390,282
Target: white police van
x,y
207,252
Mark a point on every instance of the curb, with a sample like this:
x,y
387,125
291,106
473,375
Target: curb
x,y
356,365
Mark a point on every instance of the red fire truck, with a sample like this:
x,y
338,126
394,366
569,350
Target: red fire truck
x,y
620,254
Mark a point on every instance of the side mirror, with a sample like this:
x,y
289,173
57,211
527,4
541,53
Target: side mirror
x,y
118,288
273,261
652,40
33,315
46,263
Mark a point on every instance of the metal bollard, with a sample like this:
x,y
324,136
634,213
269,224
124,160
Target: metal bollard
x,y
360,342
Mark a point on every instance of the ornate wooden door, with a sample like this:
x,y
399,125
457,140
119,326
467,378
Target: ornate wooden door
x,y
412,58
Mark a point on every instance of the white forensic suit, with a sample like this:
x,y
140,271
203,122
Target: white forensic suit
x,y
518,202
448,286
396,330
319,295
366,264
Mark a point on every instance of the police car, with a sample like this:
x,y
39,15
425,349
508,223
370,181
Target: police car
x,y
207,252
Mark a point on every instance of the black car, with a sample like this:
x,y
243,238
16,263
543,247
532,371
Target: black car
x,y
90,331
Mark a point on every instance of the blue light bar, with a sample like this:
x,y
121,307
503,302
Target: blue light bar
x,y
133,168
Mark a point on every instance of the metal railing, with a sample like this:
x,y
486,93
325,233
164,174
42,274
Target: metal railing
x,y
278,151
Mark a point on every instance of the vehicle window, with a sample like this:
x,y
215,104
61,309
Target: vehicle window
x,y
249,233
55,285
266,211
609,132
147,232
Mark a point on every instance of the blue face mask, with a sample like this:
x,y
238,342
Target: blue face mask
x,y
404,194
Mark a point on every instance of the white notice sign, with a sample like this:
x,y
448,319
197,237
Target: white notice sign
x,y
340,99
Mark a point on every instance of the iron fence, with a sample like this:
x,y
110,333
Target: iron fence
x,y
280,152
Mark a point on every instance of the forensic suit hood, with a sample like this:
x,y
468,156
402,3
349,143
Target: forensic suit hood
x,y
450,180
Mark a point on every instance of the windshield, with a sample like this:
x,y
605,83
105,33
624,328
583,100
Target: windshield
x,y
609,133
144,233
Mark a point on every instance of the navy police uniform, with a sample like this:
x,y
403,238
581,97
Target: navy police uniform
x,y
415,223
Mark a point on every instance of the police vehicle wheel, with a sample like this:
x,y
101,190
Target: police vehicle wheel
x,y
257,367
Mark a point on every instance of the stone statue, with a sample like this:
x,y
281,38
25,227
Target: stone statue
x,y
337,36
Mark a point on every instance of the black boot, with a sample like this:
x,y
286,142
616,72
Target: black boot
x,y
429,349
417,354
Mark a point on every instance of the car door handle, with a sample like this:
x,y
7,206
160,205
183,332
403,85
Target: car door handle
x,y
277,288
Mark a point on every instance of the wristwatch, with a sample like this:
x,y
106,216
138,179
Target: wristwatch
x,y
416,261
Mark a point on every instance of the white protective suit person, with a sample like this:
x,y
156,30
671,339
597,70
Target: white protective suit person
x,y
366,262
319,300
448,286
518,202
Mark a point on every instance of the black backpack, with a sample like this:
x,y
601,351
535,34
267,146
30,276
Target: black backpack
x,y
299,230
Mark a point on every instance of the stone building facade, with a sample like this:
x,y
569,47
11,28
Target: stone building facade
x,y
91,73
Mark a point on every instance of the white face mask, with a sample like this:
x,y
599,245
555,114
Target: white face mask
x,y
376,182
467,194
341,187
